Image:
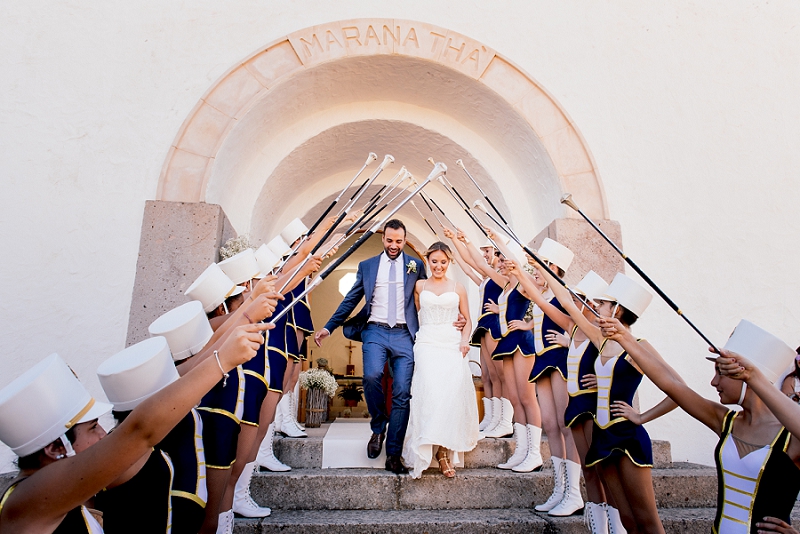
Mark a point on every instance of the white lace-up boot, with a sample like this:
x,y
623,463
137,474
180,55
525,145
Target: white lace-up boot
x,y
533,460
521,451
497,412
287,424
295,403
266,456
559,475
278,419
572,501
614,521
504,426
225,523
243,503
596,518
487,414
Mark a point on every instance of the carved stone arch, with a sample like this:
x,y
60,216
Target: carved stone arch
x,y
191,160
282,131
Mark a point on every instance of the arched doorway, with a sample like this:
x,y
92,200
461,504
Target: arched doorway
x,y
282,132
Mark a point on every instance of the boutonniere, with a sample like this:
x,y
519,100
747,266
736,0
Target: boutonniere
x,y
411,267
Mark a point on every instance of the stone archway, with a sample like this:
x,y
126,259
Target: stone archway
x,y
194,155
280,133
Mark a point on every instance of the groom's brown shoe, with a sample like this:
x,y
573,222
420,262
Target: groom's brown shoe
x,y
395,465
375,444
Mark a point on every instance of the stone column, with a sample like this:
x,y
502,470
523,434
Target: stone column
x,y
592,253
179,240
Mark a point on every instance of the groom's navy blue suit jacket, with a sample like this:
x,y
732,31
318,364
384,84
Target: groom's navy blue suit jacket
x,y
364,286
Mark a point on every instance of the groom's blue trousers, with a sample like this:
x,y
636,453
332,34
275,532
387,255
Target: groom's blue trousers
x,y
395,345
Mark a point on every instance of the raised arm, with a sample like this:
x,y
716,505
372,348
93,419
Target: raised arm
x,y
258,307
40,503
309,244
785,409
565,299
461,255
468,270
532,292
664,377
483,267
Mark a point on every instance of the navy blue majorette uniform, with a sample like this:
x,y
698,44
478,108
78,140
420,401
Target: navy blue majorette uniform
x,y
257,380
513,306
221,410
143,503
184,445
580,362
278,346
551,357
617,380
77,521
488,322
763,483
301,319
292,346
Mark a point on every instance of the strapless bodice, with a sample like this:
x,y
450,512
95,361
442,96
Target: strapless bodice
x,y
438,309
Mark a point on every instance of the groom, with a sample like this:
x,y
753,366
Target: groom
x,y
386,326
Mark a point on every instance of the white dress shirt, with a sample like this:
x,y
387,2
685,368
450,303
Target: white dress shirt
x,y
380,298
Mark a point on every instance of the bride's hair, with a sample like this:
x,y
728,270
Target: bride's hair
x,y
440,247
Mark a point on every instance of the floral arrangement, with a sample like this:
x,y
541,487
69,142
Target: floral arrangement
x,y
233,246
319,379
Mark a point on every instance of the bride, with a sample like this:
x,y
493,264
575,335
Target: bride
x,y
444,413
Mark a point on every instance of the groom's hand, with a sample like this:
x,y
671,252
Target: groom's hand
x,y
320,336
460,323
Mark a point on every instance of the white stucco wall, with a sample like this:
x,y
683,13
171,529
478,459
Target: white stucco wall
x,y
690,110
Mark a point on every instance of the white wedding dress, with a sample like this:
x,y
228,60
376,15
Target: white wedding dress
x,y
444,411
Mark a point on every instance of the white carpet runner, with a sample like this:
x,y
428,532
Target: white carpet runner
x,y
345,445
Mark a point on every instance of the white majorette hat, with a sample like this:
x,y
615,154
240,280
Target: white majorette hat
x,y
626,292
771,355
241,267
556,253
238,290
266,259
294,231
41,405
211,288
592,286
186,328
279,246
132,375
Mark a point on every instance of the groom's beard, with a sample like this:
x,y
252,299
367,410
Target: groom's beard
x,y
395,256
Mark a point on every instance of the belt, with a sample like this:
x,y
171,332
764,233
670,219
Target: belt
x,y
386,326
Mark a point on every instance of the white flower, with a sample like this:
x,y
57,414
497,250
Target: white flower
x,y
411,267
319,379
234,246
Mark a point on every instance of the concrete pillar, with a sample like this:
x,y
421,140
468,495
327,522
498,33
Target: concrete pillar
x,y
592,253
179,240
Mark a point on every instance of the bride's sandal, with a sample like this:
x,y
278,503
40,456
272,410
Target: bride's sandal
x,y
445,466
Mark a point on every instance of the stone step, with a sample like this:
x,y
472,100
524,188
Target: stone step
x,y
307,452
505,521
684,485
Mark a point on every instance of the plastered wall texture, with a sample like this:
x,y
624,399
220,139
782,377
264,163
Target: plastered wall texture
x,y
689,112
